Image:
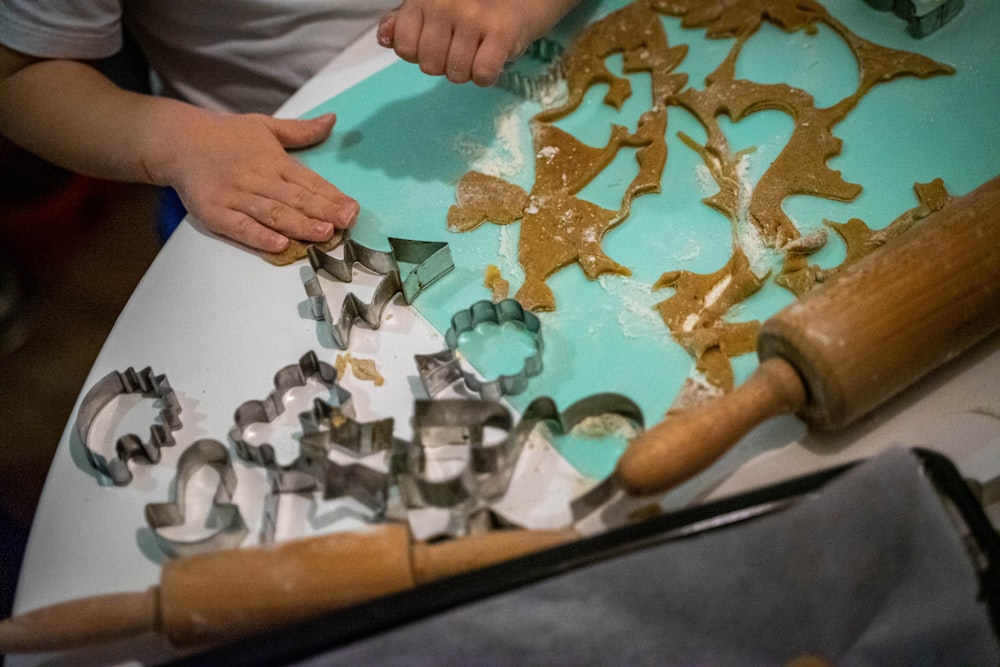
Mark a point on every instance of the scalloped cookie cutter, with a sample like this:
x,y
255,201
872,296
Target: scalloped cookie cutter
x,y
542,72
129,446
431,260
440,370
232,529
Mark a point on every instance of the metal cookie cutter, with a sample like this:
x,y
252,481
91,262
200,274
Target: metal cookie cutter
x,y
536,72
267,410
485,474
432,260
327,427
438,371
232,528
129,446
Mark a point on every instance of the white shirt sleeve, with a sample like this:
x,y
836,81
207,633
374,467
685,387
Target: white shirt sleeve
x,y
62,28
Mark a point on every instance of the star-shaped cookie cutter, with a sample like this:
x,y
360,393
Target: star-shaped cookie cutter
x,y
440,370
232,529
431,260
327,427
329,424
129,446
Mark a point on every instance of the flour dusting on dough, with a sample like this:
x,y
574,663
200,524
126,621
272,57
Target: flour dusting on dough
x,y
638,317
761,257
507,157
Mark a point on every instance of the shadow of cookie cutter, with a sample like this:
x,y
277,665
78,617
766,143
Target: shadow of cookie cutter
x,y
265,411
129,446
440,370
431,260
232,530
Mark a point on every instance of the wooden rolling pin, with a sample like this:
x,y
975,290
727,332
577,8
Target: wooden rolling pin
x,y
848,345
206,599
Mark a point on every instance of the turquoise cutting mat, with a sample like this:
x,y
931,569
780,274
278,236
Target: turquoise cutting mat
x,y
404,139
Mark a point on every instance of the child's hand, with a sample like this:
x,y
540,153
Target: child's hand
x,y
467,39
232,172
234,175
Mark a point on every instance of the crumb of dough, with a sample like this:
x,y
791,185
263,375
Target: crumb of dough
x,y
363,369
496,283
296,249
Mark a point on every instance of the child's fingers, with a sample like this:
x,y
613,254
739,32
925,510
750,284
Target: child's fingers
x,y
435,42
385,34
489,61
313,195
241,227
407,24
461,55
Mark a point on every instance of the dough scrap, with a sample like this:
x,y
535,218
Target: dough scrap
x,y
798,276
363,369
498,285
559,229
296,249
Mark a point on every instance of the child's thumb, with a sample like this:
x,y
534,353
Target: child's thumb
x,y
300,133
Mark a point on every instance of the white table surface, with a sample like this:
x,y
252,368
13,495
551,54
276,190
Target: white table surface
x,y
219,322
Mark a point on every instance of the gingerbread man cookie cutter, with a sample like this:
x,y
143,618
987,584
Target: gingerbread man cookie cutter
x,y
329,424
267,410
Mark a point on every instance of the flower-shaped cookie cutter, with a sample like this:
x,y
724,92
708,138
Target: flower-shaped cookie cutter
x,y
129,446
440,370
431,260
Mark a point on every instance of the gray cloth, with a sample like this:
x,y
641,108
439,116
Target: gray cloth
x,y
870,571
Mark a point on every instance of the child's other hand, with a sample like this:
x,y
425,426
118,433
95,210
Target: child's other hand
x,y
235,177
467,40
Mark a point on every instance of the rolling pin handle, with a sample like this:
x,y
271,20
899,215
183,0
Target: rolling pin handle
x,y
684,444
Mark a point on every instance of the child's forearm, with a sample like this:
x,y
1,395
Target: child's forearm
x,y
232,171
73,116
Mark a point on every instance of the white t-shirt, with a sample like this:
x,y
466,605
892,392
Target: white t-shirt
x,y
237,55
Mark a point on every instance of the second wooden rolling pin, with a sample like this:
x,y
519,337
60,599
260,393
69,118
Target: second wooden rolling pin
x,y
848,345
224,595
